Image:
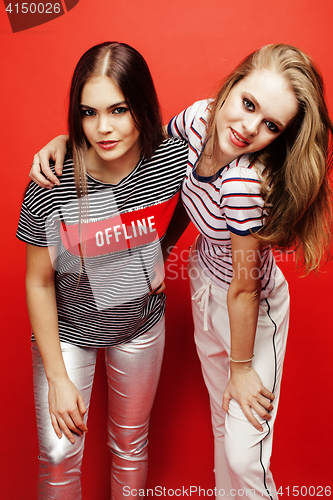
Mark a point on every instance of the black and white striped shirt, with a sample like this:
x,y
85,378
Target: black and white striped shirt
x,y
104,299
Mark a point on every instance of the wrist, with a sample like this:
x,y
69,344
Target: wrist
x,y
241,360
240,364
57,376
240,367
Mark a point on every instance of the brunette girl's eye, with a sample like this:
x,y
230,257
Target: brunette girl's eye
x,y
119,111
248,104
88,112
272,127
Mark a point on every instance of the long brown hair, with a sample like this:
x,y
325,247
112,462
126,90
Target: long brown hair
x,y
129,71
298,163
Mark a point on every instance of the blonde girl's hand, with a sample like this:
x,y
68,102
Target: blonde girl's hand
x,y
157,282
247,389
67,408
158,289
40,171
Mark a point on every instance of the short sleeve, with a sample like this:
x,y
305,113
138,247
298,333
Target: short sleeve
x,y
39,222
241,201
189,121
36,230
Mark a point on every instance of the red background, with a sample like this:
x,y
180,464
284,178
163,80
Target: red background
x,y
189,45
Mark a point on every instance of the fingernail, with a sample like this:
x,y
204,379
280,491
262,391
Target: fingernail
x,y
72,441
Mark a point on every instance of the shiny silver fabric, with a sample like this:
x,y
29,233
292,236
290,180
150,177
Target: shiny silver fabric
x,y
133,371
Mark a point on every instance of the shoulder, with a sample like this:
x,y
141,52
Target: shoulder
x,y
200,107
171,147
170,159
197,112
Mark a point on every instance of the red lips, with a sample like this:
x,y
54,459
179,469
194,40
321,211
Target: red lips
x,y
107,144
237,139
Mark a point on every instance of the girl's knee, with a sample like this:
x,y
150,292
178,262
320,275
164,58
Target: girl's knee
x,y
247,457
61,451
129,445
239,464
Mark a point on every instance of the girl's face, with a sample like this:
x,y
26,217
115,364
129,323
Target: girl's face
x,y
257,110
108,124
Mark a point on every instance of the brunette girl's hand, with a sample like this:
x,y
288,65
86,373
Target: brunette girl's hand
x,y
40,171
247,389
67,408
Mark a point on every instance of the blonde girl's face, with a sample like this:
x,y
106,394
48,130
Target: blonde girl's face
x,y
257,110
108,123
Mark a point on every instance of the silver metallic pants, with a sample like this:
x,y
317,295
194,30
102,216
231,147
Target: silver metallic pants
x,y
133,371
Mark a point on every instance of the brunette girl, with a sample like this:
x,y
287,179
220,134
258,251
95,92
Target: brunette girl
x,y
93,270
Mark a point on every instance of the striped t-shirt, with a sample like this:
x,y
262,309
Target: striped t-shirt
x,y
103,299
229,201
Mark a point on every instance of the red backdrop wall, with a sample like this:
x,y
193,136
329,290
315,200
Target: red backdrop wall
x,y
189,46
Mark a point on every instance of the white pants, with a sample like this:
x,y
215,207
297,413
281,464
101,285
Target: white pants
x,y
242,453
133,371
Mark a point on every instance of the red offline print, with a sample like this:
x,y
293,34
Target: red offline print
x,y
25,15
119,232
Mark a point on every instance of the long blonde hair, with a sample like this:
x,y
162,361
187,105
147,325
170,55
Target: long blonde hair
x,y
296,186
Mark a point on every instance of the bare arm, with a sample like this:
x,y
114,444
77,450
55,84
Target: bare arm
x,y
55,150
243,306
66,404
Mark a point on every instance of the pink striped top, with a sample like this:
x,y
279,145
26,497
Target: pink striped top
x,y
229,201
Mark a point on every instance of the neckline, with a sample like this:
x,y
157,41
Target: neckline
x,y
210,178
124,179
